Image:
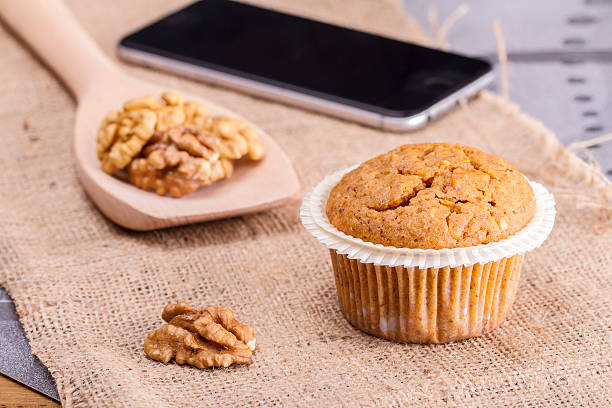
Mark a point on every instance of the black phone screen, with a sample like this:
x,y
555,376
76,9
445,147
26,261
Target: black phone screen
x,y
367,71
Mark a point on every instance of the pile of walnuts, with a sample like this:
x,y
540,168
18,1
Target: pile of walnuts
x,y
172,146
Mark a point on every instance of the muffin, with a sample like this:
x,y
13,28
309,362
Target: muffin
x,y
432,196
427,240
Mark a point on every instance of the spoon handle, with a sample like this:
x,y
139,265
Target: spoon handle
x,y
54,34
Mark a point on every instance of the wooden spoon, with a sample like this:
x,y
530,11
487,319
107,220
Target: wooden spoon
x,y
100,87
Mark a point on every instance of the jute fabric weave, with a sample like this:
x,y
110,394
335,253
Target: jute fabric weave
x,y
87,291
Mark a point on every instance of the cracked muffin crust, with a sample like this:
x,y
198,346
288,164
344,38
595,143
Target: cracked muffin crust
x,y
432,196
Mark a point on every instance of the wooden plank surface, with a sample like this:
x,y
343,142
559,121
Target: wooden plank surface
x,y
13,395
559,59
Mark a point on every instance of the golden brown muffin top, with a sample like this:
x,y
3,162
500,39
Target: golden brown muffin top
x,y
432,196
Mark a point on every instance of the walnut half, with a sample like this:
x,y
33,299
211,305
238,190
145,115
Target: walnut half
x,y
178,161
209,337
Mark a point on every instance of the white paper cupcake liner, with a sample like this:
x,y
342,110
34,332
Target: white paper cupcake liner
x,y
530,237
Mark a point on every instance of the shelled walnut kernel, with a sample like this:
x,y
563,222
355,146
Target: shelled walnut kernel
x,y
178,161
172,146
209,337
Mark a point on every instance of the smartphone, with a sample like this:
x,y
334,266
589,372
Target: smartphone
x,y
374,80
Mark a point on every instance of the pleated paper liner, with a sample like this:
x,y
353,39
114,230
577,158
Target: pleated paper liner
x,y
425,295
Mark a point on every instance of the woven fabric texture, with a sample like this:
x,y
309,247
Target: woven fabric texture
x,y
87,291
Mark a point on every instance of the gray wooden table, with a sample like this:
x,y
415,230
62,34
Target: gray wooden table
x,y
560,59
560,71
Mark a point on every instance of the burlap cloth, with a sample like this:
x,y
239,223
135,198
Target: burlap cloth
x,y
87,291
